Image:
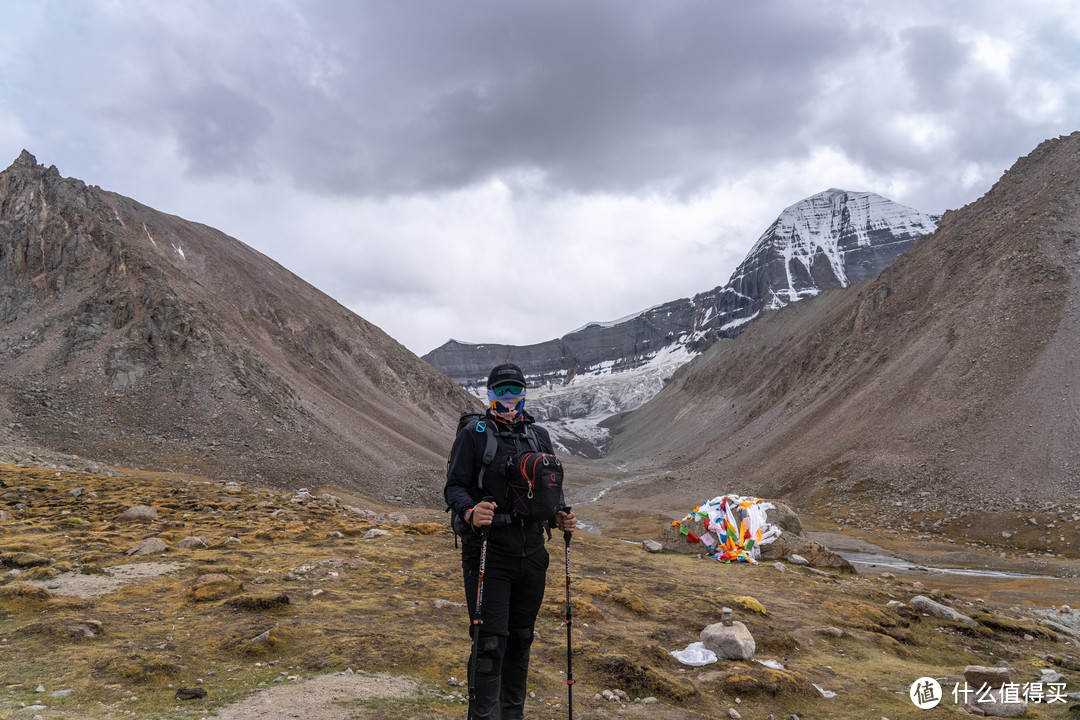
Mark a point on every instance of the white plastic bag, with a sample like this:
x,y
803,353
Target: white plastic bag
x,y
695,654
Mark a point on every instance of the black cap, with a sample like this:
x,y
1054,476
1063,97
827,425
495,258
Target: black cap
x,y
506,374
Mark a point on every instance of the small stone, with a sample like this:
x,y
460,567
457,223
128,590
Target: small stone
x,y
374,533
441,603
652,546
261,637
61,693
780,566
798,559
335,534
649,700
830,632
734,714
39,689
190,693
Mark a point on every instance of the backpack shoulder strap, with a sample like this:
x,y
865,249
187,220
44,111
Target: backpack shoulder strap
x,y
530,435
490,448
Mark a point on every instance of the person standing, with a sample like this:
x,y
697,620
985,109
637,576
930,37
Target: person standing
x,y
516,559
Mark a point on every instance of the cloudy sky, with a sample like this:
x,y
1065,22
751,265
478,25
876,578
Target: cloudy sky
x,y
506,171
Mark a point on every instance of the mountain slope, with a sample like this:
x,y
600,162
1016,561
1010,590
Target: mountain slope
x,y
951,378
134,336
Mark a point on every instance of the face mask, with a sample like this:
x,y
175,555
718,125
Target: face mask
x,y
506,407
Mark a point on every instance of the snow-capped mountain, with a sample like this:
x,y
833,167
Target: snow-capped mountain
x,y
832,238
605,368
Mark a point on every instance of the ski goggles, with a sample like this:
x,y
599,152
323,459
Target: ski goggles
x,y
508,390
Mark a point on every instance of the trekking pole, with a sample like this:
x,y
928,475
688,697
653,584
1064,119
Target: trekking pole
x,y
569,623
477,620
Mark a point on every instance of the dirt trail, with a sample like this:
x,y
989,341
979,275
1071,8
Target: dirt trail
x,y
327,697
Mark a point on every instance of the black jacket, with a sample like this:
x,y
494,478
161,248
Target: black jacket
x,y
508,535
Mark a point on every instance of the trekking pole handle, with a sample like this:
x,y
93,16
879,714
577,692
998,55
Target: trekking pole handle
x,y
566,533
487,499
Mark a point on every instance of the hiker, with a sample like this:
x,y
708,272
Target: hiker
x,y
516,559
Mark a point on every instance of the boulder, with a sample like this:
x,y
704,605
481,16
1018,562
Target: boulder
x,y
990,702
149,546
732,642
978,675
138,513
191,542
925,604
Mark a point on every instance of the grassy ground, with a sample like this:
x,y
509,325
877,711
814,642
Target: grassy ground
x,y
306,594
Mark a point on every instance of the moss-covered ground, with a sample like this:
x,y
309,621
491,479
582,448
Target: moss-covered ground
x,y
304,593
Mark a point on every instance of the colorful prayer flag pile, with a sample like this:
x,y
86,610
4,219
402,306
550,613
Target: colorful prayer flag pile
x,y
735,527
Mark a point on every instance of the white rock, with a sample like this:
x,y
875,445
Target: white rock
x,y
732,642
925,604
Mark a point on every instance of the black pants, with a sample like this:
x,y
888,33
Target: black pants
x,y
513,593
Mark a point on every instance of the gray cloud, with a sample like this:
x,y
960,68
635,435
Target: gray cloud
x,y
394,137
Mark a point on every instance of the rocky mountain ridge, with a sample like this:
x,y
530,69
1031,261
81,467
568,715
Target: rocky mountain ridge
x,y
834,238
139,338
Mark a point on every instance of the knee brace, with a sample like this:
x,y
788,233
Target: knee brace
x,y
489,654
521,636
